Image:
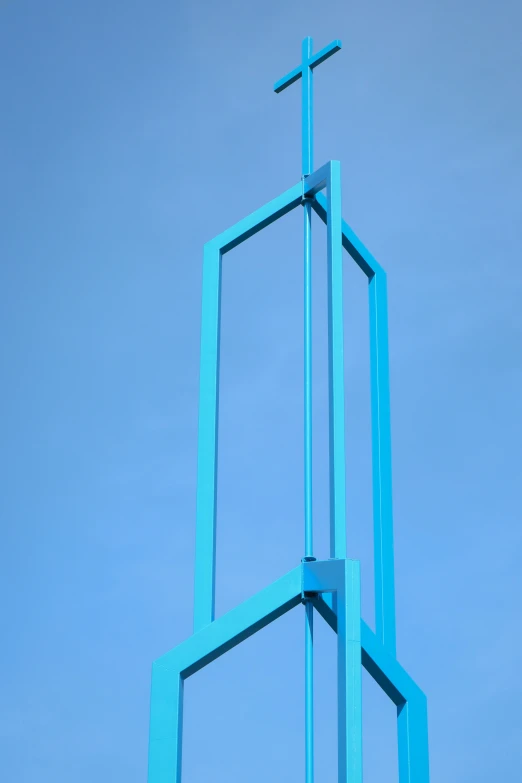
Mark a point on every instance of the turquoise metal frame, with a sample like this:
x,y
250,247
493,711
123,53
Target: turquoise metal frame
x,y
331,587
170,671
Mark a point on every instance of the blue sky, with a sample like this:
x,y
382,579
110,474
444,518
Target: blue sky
x,y
133,132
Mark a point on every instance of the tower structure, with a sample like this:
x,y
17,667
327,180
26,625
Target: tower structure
x,y
330,587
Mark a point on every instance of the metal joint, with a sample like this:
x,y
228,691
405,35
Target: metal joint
x,y
305,197
307,595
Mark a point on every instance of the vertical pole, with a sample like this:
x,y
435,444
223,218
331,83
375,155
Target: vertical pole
x,y
307,117
307,168
307,164
309,687
308,378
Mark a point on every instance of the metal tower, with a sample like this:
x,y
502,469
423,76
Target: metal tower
x,y
331,587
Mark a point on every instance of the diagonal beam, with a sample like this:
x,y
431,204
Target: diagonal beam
x,y
170,671
412,715
351,242
385,670
235,626
259,219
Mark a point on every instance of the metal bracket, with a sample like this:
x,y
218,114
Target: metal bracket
x,y
307,595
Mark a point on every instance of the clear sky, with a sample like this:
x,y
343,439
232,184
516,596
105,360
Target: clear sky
x,y
131,133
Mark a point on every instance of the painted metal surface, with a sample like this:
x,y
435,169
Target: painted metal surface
x,y
330,587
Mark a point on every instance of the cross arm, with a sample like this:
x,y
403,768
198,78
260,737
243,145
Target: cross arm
x,y
289,79
314,61
325,53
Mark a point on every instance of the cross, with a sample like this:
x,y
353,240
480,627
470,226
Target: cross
x,y
304,71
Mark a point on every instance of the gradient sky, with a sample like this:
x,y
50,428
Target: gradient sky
x,y
131,133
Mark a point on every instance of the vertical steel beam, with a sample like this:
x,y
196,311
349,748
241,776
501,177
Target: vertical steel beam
x,y
336,365
412,735
349,681
204,586
166,726
381,463
309,692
